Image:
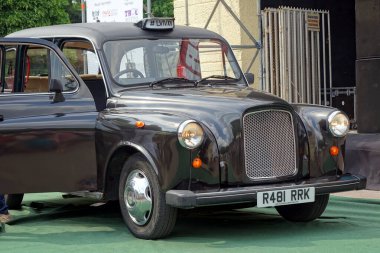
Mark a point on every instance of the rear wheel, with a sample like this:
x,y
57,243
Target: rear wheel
x,y
304,212
142,202
14,201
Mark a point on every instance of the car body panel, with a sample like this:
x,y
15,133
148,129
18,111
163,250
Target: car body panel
x,y
219,108
41,141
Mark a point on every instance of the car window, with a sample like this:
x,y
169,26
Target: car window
x,y
82,57
133,59
211,56
133,62
166,61
36,70
9,69
40,67
60,72
1,68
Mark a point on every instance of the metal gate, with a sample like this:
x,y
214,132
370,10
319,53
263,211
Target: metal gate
x,y
297,54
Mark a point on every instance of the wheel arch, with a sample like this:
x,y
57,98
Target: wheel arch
x,y
315,120
115,164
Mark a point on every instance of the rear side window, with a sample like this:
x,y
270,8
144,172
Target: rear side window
x,y
42,66
37,70
29,68
1,68
7,70
82,57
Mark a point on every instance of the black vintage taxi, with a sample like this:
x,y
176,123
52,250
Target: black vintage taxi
x,y
160,118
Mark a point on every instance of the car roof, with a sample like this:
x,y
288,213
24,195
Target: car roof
x,y
99,33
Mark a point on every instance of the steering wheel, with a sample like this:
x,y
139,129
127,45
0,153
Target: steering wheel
x,y
135,73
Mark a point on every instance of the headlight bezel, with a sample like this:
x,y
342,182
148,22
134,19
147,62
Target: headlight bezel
x,y
182,128
330,120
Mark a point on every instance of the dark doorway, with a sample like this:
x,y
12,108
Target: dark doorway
x,y
343,43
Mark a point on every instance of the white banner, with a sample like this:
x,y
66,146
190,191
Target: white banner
x,y
114,10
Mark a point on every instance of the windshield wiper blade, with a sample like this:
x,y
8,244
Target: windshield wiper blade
x,y
226,78
172,80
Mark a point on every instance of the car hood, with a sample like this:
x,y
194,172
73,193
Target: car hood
x,y
218,108
198,100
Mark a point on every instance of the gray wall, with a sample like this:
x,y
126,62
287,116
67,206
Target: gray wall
x,y
368,65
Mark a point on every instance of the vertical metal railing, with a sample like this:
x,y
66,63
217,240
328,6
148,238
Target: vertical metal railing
x,y
297,54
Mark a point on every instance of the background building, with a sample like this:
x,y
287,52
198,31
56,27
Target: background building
x,y
343,32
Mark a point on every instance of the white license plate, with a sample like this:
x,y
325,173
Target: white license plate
x,y
285,197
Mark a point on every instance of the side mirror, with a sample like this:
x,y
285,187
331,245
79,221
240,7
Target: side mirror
x,y
250,78
57,87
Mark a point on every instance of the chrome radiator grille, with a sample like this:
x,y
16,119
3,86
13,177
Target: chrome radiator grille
x,y
269,144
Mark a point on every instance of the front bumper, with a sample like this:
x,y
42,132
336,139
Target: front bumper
x,y
237,195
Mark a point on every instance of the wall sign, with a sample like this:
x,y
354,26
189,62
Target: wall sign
x,y
114,10
313,22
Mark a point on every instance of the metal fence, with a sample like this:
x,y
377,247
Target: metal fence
x,y
297,54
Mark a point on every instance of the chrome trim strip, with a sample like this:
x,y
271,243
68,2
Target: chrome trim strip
x,y
88,194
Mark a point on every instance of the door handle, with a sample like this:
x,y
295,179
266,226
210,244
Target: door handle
x,y
1,118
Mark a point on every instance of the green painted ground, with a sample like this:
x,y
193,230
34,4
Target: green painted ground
x,y
348,225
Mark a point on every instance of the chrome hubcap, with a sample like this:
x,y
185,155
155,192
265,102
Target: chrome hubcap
x,y
138,197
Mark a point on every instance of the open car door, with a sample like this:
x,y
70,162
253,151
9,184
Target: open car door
x,y
47,121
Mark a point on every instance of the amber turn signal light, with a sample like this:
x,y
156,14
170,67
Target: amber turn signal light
x,y
197,163
139,124
334,151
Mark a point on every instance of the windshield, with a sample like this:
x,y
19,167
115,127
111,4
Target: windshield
x,y
141,62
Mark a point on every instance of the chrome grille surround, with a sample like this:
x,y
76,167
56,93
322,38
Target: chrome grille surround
x,y
269,144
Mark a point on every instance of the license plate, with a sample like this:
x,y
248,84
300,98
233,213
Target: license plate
x,y
285,197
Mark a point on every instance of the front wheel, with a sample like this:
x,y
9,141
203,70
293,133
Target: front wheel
x,y
142,202
304,212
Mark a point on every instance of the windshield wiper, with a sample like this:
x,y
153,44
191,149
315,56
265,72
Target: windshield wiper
x,y
172,80
226,78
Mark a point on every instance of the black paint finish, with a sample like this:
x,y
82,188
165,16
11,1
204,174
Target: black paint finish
x,y
220,111
75,145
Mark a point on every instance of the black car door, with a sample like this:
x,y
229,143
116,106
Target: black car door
x,y
47,121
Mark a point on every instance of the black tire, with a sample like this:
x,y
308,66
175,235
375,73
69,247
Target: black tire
x,y
14,201
162,217
304,212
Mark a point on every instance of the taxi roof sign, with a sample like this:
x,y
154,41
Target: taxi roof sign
x,y
156,24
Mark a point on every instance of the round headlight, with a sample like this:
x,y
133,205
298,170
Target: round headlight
x,y
190,134
339,124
